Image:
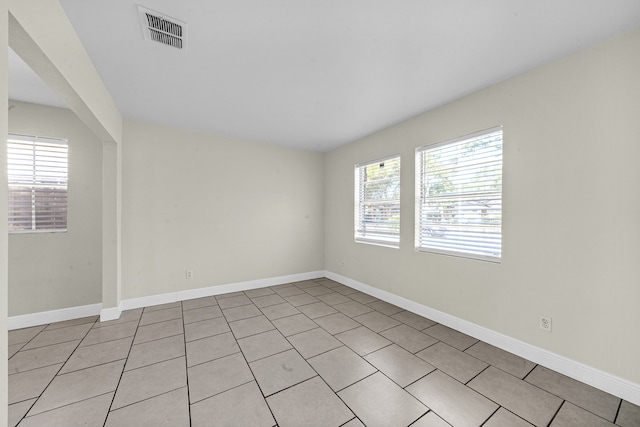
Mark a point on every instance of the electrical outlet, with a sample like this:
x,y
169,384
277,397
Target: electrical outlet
x,y
545,323
189,274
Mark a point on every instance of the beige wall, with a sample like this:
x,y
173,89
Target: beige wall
x,y
227,209
49,271
571,201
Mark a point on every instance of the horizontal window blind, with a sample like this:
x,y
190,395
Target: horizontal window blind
x,y
459,200
377,202
37,174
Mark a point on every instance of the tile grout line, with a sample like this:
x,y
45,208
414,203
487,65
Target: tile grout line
x,y
115,392
186,363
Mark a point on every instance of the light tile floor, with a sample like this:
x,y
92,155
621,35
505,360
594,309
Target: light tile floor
x,y
311,353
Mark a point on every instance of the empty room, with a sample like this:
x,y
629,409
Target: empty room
x,y
305,213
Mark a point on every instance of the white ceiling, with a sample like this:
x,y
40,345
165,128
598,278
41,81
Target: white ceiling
x,y
320,73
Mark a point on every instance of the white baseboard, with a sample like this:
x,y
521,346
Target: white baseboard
x,y
44,317
111,313
609,383
152,300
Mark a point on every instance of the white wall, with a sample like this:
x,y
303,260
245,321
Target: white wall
x,y
229,210
49,271
571,201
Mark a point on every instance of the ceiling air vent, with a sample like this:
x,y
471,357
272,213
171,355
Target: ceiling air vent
x,y
162,29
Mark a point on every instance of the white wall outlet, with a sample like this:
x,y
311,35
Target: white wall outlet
x,y
189,274
545,323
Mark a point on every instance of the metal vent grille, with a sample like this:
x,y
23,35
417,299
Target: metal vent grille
x,y
162,29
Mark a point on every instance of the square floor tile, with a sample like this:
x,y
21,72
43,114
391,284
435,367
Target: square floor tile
x,y
72,322
158,330
570,415
333,298
278,311
399,365
29,384
452,337
413,320
378,401
529,402
206,328
259,292
431,420
57,336
597,401
508,362
235,301
110,333
318,290
344,290
362,298
452,361
241,312
294,324
90,412
629,415
282,370
317,309
24,335
17,411
353,308
223,408
230,295
211,348
267,300
93,355
79,385
376,321
314,342
309,404
385,308
362,340
287,291
336,323
150,381
504,418
301,299
262,345
42,356
409,338
454,402
175,304
211,378
251,326
156,316
341,367
155,351
169,409
198,303
202,313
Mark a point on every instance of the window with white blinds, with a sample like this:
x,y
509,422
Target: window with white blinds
x,y
377,202
459,196
37,175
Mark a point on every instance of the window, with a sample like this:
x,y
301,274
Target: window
x,y
37,174
377,202
459,196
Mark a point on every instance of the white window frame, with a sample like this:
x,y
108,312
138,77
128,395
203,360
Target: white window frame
x,y
459,197
37,172
385,232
